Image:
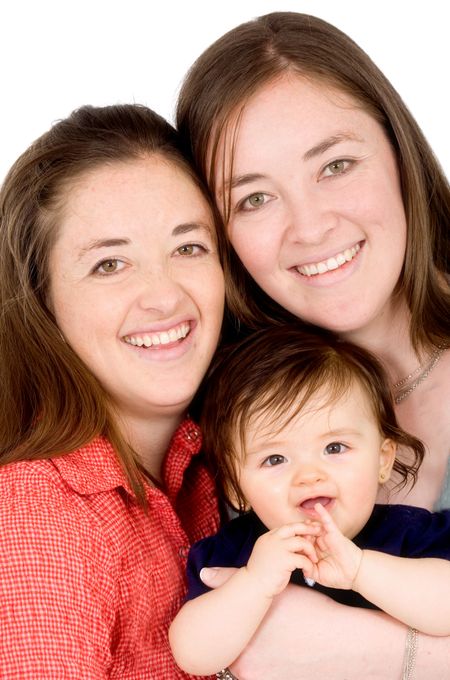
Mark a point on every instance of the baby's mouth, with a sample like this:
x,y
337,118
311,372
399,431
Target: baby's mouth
x,y
311,502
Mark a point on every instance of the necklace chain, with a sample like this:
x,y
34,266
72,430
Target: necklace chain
x,y
405,389
421,367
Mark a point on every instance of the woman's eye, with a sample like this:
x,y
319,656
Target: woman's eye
x,y
191,249
338,167
253,202
109,266
335,447
256,200
276,459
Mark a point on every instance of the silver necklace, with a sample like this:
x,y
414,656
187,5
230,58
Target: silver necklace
x,y
405,389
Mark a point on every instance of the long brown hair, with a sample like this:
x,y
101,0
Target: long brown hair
x,y
253,54
50,403
276,371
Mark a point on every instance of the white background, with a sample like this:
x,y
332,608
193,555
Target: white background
x,y
56,55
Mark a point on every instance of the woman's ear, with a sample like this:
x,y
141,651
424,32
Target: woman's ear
x,y
388,450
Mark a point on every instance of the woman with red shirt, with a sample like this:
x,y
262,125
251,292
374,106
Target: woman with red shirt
x,y
111,294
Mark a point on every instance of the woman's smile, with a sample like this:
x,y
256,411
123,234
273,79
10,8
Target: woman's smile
x,y
331,263
168,337
316,210
142,303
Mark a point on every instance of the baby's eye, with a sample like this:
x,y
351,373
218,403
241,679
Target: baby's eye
x,y
338,167
275,459
109,266
335,447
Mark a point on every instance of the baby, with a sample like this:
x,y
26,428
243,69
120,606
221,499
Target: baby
x,y
302,432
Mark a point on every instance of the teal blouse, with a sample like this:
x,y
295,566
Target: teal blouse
x,y
443,502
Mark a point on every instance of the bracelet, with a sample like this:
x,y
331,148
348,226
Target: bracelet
x,y
225,674
410,654
408,663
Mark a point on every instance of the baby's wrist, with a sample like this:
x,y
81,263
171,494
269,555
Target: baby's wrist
x,y
360,558
255,584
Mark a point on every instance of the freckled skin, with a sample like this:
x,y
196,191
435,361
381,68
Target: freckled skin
x,y
123,265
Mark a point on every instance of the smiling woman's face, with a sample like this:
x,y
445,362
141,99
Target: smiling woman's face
x,y
136,284
316,212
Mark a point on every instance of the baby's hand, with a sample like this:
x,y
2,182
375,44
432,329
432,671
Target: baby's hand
x,y
278,552
338,557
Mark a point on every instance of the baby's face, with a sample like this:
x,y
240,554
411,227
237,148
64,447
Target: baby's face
x,y
330,454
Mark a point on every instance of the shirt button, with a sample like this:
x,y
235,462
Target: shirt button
x,y
192,434
183,552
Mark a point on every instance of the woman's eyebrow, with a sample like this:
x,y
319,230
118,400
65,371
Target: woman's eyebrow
x,y
316,150
103,243
115,242
329,142
238,181
186,227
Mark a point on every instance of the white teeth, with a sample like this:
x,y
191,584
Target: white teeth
x,y
163,338
332,263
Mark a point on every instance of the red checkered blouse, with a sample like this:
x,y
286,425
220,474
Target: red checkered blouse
x,y
88,582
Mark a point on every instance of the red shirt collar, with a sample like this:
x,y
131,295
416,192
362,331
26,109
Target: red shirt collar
x,y
94,468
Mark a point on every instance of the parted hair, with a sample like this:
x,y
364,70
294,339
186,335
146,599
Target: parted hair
x,y
237,65
275,372
50,402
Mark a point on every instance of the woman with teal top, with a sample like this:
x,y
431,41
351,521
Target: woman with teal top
x,y
336,212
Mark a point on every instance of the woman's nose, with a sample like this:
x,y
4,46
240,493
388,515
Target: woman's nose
x,y
160,291
309,219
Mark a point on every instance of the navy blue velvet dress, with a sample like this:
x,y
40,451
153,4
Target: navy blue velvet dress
x,y
401,530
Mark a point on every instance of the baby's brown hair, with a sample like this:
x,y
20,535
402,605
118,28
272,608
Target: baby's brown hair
x,y
276,371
